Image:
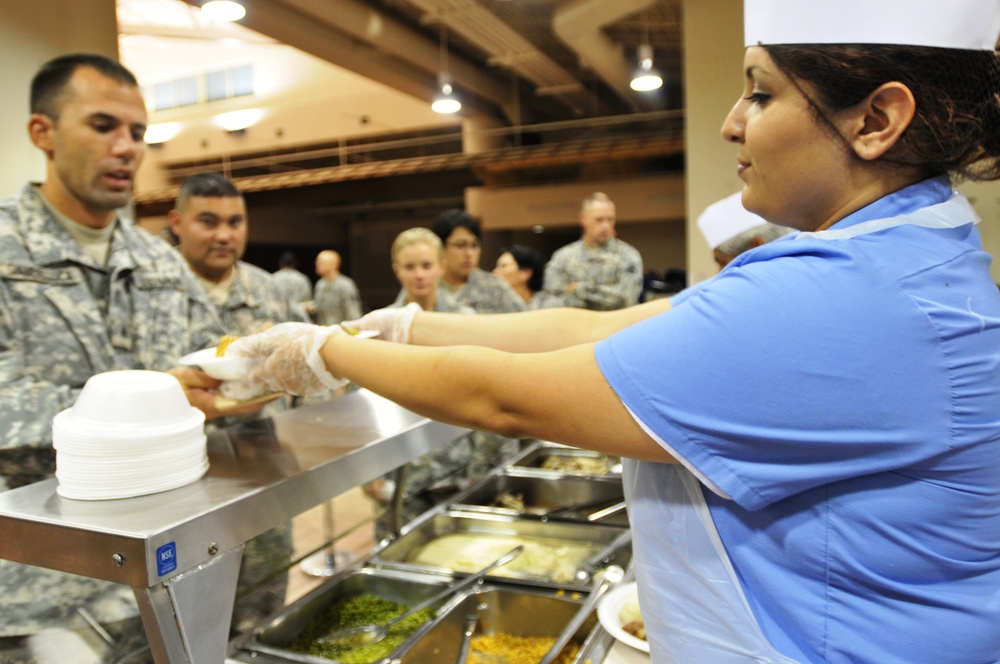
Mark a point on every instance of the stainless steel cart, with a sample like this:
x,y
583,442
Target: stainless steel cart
x,y
180,550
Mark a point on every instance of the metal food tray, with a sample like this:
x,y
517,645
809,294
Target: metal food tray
x,y
398,553
272,636
532,459
519,611
548,497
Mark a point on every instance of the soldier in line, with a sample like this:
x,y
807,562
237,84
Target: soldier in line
x,y
335,297
598,271
417,262
524,269
83,290
294,285
463,278
210,219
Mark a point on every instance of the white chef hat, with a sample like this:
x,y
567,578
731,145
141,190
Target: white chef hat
x,y
725,219
960,24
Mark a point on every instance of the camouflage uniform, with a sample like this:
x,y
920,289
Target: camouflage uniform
x,y
441,474
544,300
607,277
63,318
294,286
254,300
486,293
336,300
444,303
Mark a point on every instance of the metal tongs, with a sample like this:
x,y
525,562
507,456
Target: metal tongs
x,y
612,575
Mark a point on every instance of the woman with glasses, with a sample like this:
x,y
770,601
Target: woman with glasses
x,y
463,278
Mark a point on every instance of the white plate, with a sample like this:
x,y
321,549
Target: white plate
x,y
609,613
220,368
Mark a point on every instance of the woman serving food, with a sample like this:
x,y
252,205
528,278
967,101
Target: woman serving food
x,y
813,434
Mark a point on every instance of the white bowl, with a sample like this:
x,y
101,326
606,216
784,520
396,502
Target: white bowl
x,y
220,368
132,398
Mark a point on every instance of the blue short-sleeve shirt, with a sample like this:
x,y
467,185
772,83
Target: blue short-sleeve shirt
x,y
845,395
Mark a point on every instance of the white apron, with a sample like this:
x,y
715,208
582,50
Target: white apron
x,y
691,600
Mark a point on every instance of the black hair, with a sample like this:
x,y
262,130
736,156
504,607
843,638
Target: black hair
x,y
287,259
956,127
448,221
209,185
50,81
528,259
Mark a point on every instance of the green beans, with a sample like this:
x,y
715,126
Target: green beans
x,y
367,609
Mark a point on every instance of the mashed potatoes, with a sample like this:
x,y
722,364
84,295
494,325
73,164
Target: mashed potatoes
x,y
552,559
631,617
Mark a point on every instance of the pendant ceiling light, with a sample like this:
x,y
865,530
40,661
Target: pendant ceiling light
x,y
223,10
445,100
645,78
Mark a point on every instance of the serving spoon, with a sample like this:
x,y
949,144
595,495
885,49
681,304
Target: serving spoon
x,y
364,634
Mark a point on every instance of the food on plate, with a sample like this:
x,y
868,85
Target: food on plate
x,y
551,559
589,465
512,649
224,342
367,609
631,618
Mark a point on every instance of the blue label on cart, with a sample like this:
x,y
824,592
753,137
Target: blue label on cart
x,y
166,558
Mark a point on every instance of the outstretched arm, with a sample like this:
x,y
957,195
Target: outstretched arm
x,y
525,332
560,395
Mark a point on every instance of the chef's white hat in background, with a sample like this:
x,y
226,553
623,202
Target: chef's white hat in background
x,y
725,219
960,24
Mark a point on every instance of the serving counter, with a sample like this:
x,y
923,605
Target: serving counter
x,y
180,550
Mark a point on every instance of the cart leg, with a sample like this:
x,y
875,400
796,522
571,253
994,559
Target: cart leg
x,y
187,617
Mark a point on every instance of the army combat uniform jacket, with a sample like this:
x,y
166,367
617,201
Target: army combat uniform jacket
x,y
607,277
63,318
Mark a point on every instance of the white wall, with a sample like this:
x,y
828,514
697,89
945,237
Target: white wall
x,y
305,100
31,33
713,78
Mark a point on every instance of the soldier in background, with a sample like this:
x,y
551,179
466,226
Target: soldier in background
x,y
524,269
335,297
463,279
598,271
210,220
83,290
295,286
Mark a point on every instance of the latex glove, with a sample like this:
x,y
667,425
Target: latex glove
x,y
287,359
392,323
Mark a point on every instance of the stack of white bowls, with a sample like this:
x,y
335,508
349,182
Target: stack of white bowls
x,y
130,433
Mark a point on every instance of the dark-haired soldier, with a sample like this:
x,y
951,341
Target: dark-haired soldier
x,y
463,279
83,290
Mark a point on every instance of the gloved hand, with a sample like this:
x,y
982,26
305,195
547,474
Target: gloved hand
x,y
287,359
392,323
